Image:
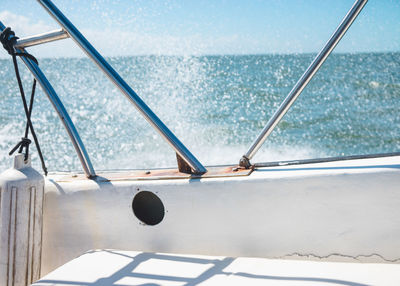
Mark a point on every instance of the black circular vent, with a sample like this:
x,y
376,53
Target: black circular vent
x,y
148,208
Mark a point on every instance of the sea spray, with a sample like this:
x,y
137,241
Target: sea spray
x,y
216,105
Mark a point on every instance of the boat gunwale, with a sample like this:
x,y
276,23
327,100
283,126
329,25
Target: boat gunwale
x,y
217,171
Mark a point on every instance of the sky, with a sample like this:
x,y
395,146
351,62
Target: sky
x,y
198,27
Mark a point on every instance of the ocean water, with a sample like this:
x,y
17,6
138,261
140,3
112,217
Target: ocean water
x,y
216,105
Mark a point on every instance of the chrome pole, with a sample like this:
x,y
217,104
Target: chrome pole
x,y
41,39
116,79
61,111
303,81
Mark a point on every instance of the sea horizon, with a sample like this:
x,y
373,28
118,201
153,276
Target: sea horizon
x,y
4,57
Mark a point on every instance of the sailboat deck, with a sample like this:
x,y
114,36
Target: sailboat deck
x,y
111,267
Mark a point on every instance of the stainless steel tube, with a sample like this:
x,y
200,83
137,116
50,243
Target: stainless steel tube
x,y
41,38
303,81
62,113
148,114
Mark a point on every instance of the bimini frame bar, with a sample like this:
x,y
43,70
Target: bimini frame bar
x,y
41,39
303,81
61,111
116,79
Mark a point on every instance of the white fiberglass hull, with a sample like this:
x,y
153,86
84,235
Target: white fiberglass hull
x,y
342,210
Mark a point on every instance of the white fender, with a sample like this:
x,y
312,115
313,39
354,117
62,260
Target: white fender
x,y
21,217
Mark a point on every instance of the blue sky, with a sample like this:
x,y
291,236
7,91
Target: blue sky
x,y
135,27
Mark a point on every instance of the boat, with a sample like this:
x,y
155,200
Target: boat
x,y
315,221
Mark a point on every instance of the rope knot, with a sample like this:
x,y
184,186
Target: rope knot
x,y
8,39
24,143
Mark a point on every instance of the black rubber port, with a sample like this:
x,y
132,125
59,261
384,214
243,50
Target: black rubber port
x,y
148,208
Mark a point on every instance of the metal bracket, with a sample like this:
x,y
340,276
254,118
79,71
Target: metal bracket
x,y
183,167
245,162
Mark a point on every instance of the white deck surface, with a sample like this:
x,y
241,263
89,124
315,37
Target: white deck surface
x,y
112,267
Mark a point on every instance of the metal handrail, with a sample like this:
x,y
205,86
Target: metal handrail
x,y
41,39
303,81
61,111
117,80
